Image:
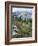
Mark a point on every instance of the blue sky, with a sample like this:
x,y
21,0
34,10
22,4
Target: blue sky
x,y
21,9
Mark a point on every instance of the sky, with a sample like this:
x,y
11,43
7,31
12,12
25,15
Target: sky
x,y
21,9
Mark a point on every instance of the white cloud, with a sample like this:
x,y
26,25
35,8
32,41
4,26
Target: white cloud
x,y
21,9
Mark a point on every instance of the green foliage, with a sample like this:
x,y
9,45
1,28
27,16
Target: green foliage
x,y
24,27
